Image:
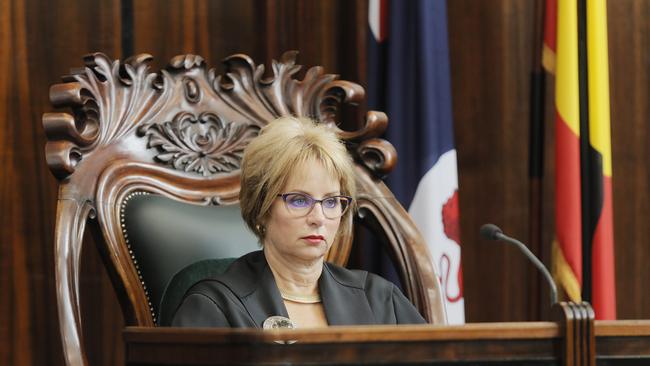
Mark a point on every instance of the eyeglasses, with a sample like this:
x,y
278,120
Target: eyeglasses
x,y
301,204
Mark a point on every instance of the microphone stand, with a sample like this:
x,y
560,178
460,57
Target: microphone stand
x,y
492,232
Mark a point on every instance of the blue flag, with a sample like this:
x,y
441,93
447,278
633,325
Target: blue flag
x,y
409,79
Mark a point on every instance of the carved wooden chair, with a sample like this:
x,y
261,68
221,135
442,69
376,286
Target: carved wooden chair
x,y
151,162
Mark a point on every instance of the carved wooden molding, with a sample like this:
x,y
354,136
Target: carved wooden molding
x,y
577,325
180,132
203,144
111,99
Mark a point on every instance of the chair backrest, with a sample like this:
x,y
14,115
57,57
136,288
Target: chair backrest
x,y
165,235
139,144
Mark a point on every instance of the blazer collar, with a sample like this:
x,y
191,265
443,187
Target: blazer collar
x,y
341,290
265,300
252,281
344,299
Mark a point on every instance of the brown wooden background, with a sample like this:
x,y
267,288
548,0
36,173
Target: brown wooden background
x,y
491,59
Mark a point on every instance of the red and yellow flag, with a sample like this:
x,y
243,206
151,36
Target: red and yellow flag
x,y
583,254
550,38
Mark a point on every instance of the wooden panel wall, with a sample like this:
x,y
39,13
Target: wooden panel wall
x,y
629,47
40,41
491,59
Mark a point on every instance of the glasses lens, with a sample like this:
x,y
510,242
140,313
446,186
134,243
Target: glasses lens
x,y
297,201
330,203
301,204
334,207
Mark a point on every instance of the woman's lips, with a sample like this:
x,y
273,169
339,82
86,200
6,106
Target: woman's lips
x,y
314,239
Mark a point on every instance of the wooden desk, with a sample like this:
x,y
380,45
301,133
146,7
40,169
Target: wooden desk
x,y
622,342
536,343
529,343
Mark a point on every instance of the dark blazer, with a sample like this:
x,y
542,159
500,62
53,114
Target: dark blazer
x,y
246,294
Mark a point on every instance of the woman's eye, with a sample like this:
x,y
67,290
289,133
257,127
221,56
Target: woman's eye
x,y
330,202
298,201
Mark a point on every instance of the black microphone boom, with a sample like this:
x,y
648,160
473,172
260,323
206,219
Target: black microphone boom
x,y
493,232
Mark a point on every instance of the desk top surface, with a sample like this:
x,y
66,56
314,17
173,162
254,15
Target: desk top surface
x,y
539,343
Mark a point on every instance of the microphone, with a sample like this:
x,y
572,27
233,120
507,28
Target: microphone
x,y
493,232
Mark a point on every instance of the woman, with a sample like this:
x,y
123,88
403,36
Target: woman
x,y
297,185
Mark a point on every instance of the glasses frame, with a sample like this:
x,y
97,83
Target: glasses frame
x,y
315,201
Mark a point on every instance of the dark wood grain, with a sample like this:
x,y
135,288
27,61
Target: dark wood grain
x,y
616,343
490,60
15,307
490,50
629,49
623,342
520,343
39,42
135,131
198,27
42,40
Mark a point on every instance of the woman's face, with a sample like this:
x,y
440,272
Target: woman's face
x,y
303,238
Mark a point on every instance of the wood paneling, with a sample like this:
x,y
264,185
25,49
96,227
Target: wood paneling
x,y
537,343
491,53
199,27
491,59
629,55
327,33
15,310
40,41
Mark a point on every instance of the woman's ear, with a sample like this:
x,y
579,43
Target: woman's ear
x,y
261,225
260,229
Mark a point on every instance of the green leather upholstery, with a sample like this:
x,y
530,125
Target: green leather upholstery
x,y
165,236
183,280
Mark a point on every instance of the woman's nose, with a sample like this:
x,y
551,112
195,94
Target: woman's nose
x,y
316,215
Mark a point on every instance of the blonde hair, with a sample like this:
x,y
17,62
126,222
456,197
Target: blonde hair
x,y
270,158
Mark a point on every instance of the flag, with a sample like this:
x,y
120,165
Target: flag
x,y
409,78
583,253
550,36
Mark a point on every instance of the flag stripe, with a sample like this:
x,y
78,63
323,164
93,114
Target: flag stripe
x,y
566,82
548,59
603,294
550,36
567,208
564,274
568,259
588,161
378,18
599,125
583,256
592,184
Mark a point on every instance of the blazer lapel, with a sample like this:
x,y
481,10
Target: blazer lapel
x,y
252,282
343,295
265,300
344,302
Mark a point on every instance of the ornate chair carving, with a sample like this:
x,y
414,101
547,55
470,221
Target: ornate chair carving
x,y
136,136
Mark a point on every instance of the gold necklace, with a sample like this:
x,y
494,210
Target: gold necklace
x,y
302,299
